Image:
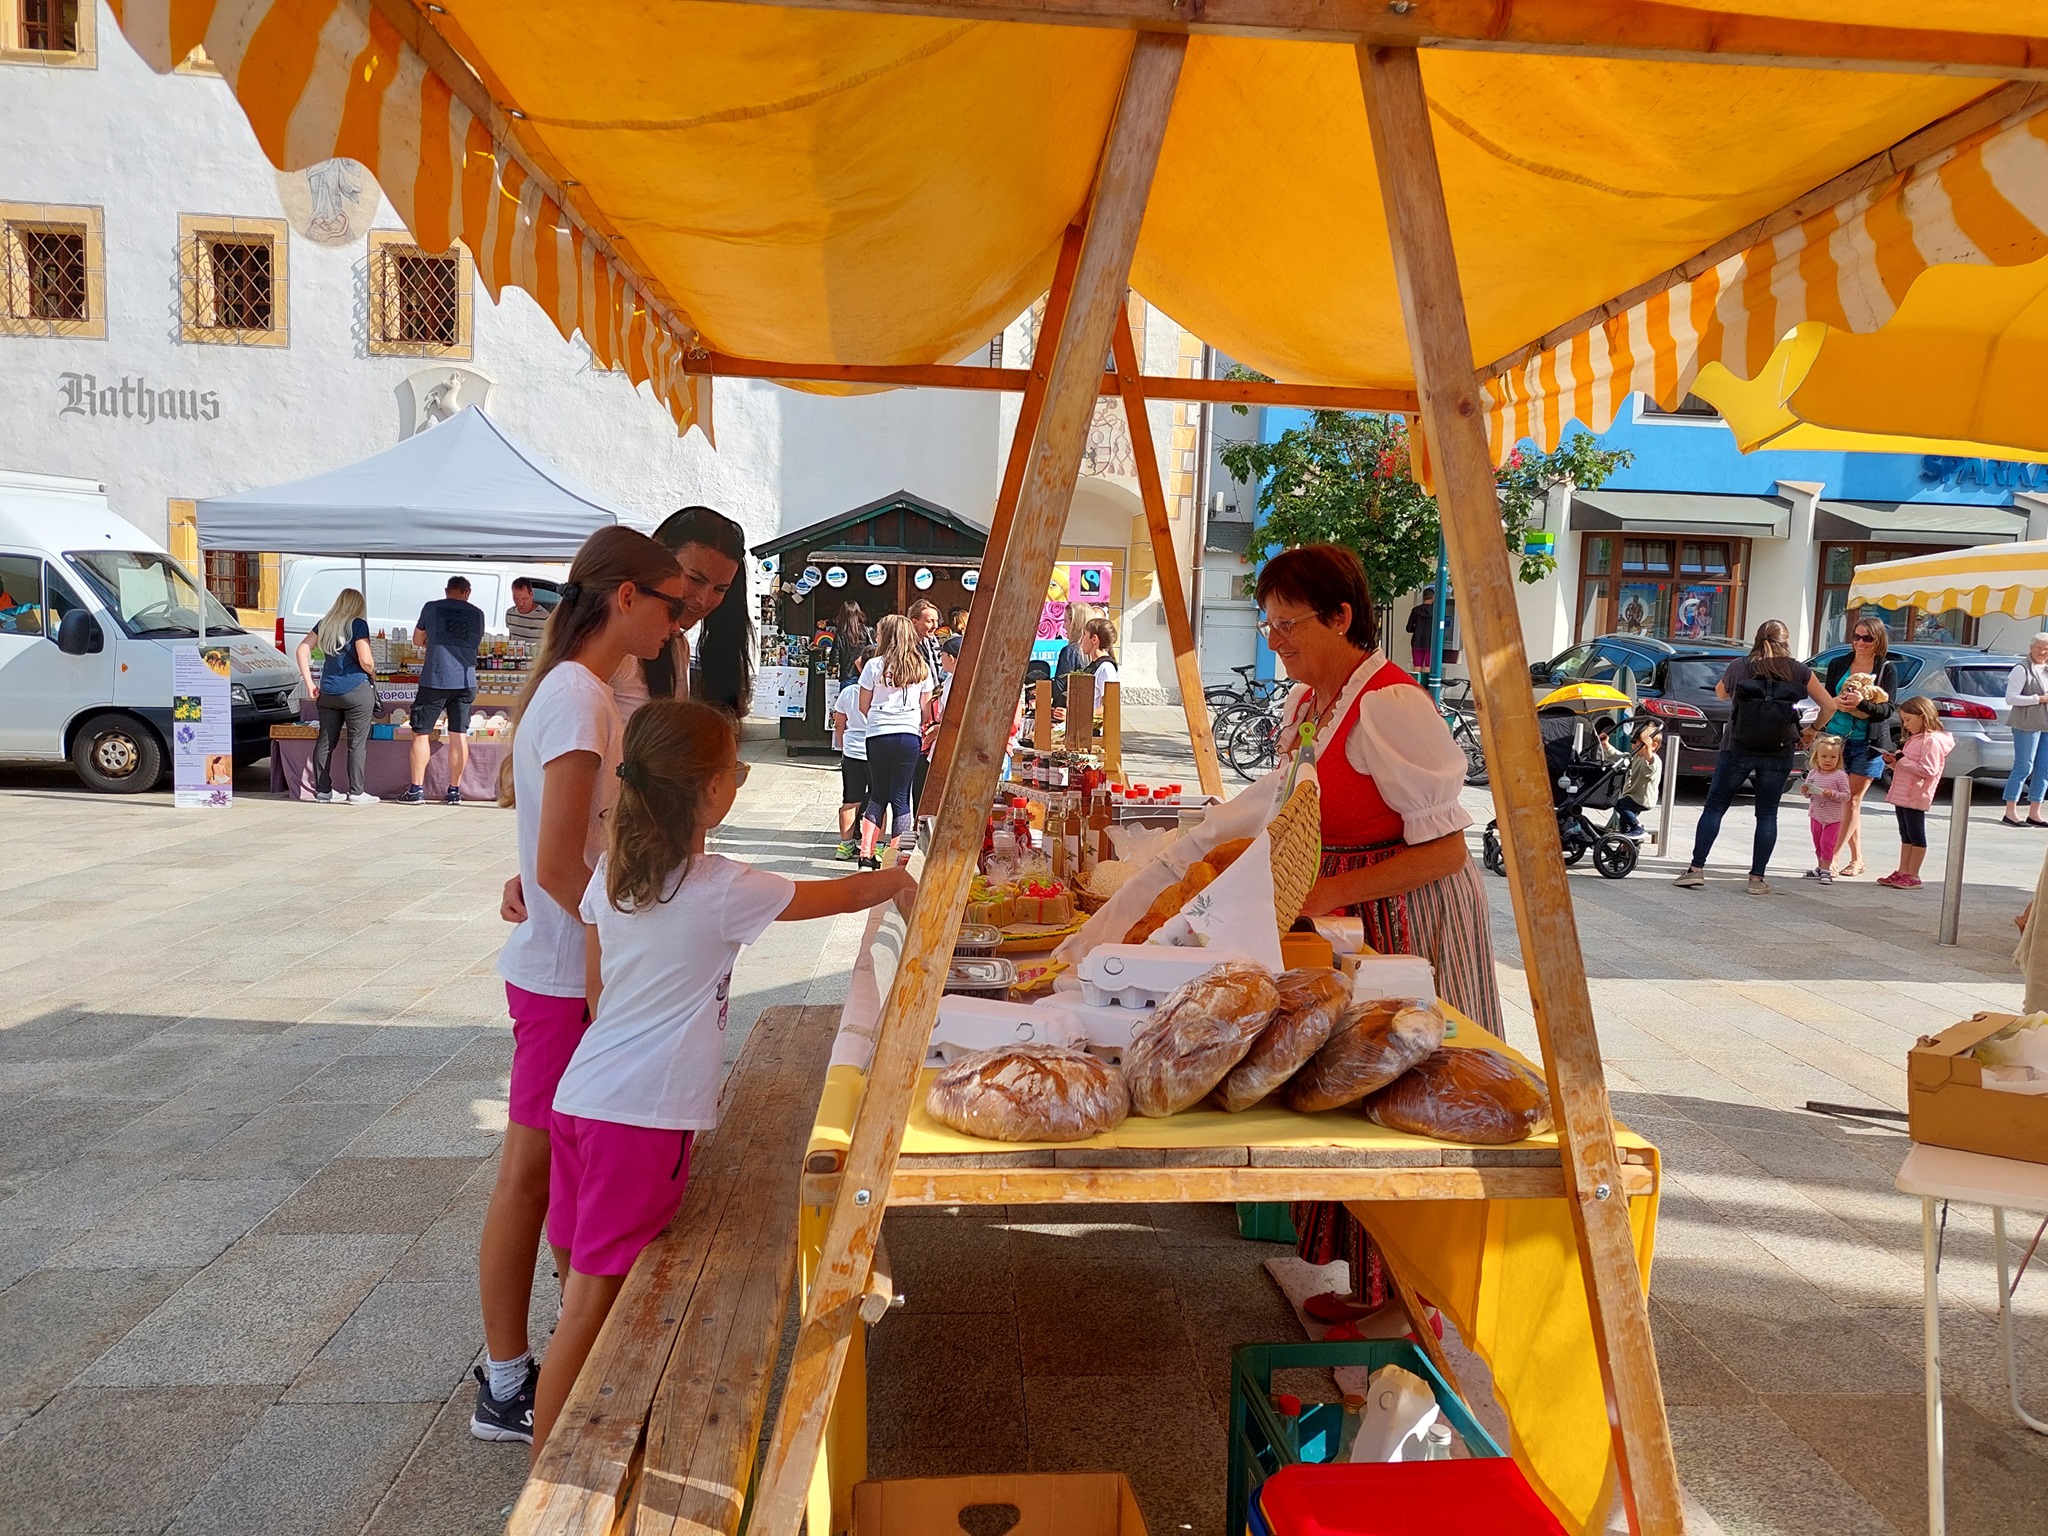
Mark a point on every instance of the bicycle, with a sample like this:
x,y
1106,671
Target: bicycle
x,y
1462,716
1248,690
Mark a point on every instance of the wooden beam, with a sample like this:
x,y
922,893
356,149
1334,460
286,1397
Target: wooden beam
x,y
1129,158
1328,397
1597,29
1454,421
1879,168
1173,597
996,552
447,64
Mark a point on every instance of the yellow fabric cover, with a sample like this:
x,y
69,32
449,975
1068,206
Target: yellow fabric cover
x,y
812,186
1996,578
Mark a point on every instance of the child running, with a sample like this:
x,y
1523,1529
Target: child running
x,y
667,921
1916,771
850,735
1639,787
1827,802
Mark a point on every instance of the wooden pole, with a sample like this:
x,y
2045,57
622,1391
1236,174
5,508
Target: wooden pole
x,y
1129,158
1173,597
1454,421
994,553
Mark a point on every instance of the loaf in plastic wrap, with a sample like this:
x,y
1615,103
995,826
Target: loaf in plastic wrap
x,y
1312,1000
1473,1095
1370,1047
1029,1093
1199,1031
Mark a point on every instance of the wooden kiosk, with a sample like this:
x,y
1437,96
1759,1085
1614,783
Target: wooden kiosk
x,y
505,126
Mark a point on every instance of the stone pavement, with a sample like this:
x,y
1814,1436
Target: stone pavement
x,y
254,1067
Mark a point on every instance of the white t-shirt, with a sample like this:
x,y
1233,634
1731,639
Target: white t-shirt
x,y
895,711
653,1055
571,711
854,741
1105,674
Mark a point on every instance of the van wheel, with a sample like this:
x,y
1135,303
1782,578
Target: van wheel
x,y
117,755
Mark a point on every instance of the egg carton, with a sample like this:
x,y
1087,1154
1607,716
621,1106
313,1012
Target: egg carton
x,y
1107,1031
1373,977
1140,975
968,1024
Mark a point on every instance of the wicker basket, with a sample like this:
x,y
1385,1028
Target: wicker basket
x,y
1296,831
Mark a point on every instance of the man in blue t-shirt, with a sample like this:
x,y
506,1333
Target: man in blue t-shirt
x,y
450,631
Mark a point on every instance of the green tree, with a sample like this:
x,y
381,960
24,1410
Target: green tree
x,y
1346,478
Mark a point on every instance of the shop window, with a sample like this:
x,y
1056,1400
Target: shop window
x,y
1691,408
235,578
232,283
1672,589
421,303
1838,564
52,271
55,33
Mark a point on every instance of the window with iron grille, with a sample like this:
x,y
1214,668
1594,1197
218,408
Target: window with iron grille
x,y
421,304
51,266
48,26
232,281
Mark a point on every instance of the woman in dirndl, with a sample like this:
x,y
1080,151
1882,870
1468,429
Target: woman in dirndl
x,y
1394,851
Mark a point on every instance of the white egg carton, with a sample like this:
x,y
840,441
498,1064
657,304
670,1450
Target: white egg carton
x,y
1409,977
968,1024
1107,1031
1139,975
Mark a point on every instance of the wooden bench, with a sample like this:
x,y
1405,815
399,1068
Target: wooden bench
x,y
659,1434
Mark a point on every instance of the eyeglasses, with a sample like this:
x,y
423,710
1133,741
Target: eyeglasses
x,y
1281,627
740,772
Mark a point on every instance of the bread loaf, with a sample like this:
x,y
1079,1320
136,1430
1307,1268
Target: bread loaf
x,y
1223,855
1199,1031
1475,1095
1029,1093
1311,1003
1370,1047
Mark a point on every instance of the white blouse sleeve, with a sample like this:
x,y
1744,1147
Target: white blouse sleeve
x,y
1404,744
2016,685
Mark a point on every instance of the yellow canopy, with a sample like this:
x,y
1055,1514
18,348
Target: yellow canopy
x,y
832,185
2004,578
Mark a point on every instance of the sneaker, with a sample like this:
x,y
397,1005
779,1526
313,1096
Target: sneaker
x,y
454,796
1758,886
1691,879
847,852
363,800
325,796
504,1418
1636,836
1827,877
414,795
1815,874
870,862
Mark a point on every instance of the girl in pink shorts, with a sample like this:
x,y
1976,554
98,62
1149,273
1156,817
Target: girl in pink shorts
x,y
666,921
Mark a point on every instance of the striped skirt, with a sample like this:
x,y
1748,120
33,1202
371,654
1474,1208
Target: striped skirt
x,y
1445,922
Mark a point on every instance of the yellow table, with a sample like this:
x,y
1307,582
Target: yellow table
x,y
1483,1232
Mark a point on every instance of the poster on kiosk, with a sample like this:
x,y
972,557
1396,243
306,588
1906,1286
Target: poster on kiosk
x,y
202,727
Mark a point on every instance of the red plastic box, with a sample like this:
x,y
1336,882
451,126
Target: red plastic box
x,y
1485,1496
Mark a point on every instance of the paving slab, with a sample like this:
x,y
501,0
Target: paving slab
x,y
308,1469
453,1484
57,1322
180,1222
404,1344
374,1194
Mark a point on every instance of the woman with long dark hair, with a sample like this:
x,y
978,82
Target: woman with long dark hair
x,y
711,551
851,638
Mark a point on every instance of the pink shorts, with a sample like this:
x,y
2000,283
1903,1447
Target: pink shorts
x,y
611,1189
545,1033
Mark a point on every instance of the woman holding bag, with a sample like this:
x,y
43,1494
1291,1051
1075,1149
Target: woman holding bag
x,y
2026,690
1394,852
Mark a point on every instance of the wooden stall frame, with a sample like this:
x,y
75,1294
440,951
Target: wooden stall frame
x,y
1454,423
1129,157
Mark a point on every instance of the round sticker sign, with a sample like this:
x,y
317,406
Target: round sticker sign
x,y
876,575
813,575
921,579
835,575
969,580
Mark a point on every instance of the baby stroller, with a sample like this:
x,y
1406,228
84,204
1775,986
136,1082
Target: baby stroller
x,y
1582,779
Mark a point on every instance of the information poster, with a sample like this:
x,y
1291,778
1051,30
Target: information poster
x,y
780,692
202,727
1072,582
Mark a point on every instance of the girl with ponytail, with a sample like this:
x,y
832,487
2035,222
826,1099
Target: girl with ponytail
x,y
667,922
623,598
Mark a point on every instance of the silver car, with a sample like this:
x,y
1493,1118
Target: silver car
x,y
1967,686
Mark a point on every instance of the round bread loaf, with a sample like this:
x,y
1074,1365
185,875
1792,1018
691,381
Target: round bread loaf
x,y
1029,1093
1369,1048
1312,1000
1199,1031
1476,1095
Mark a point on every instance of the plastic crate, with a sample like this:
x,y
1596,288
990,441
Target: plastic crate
x,y
1264,1222
386,732
1262,1440
1488,1497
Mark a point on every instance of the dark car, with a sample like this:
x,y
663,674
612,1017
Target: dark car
x,y
1672,680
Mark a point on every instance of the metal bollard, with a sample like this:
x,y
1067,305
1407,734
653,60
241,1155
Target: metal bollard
x,y
1962,788
1670,796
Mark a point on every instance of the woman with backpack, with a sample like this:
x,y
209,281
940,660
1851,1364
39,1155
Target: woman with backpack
x,y
1763,730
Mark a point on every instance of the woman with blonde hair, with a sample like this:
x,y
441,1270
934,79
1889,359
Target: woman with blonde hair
x,y
897,693
345,694
624,597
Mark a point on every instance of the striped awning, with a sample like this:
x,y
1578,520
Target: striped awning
x,y
2006,578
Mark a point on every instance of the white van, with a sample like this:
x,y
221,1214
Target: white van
x,y
394,591
90,608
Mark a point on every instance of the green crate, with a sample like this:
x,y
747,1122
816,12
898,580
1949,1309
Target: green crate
x,y
1262,1441
1265,1222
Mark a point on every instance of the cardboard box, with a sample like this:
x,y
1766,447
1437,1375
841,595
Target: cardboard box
x,y
1948,1105
1047,1504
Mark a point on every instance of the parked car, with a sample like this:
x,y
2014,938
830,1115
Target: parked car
x,y
1671,680
1967,685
